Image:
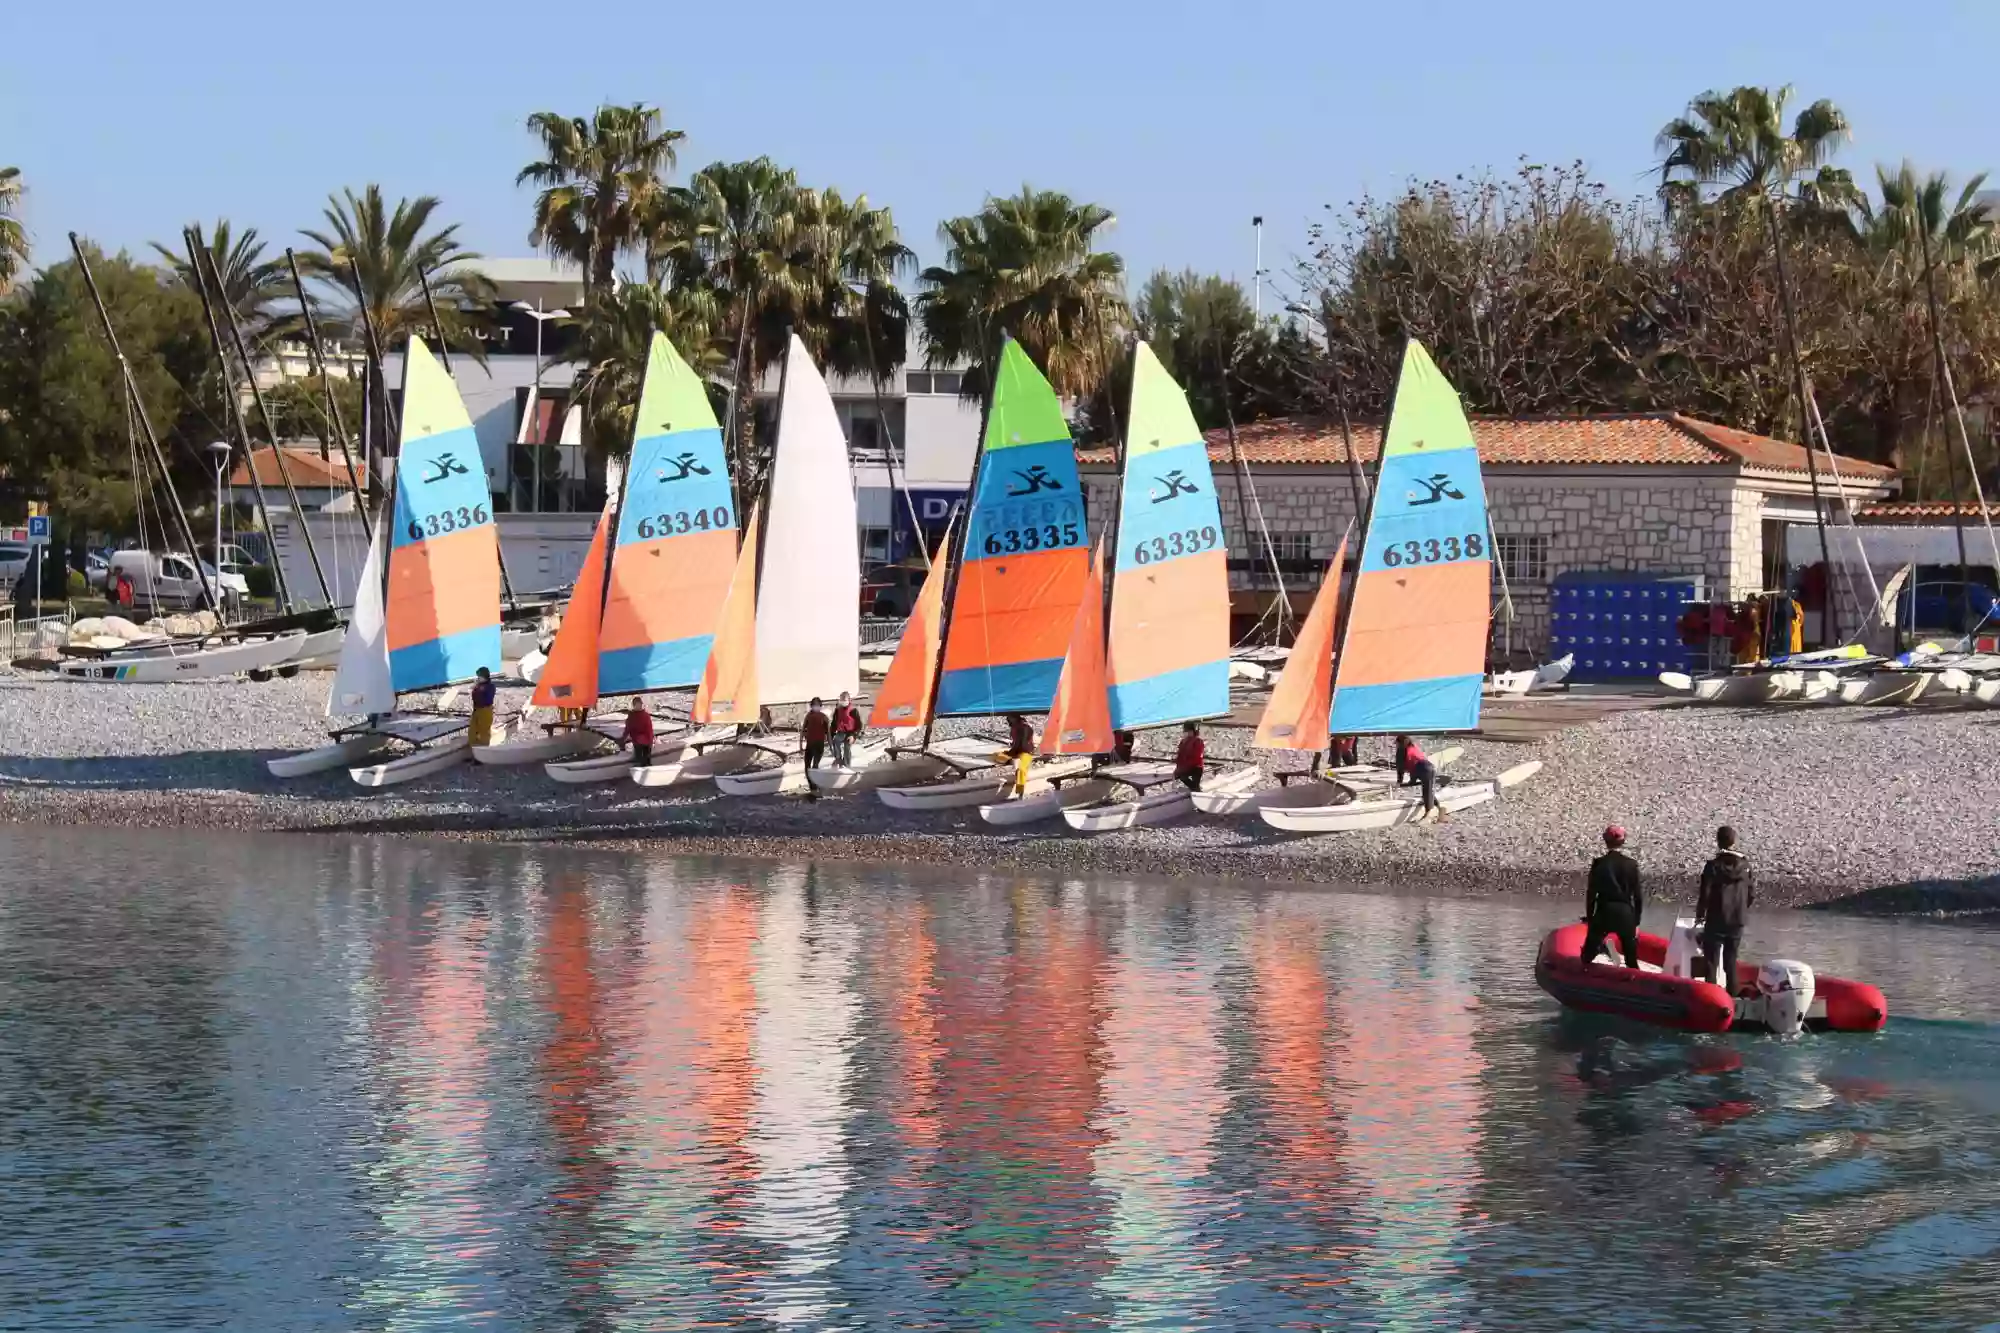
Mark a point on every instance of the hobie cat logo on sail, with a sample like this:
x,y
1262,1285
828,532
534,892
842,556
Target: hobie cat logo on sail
x,y
1034,479
1440,488
447,465
686,465
1176,483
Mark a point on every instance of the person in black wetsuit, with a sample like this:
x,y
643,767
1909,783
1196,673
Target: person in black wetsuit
x,y
1728,888
1613,900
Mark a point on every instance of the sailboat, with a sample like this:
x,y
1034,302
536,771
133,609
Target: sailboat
x,y
1021,562
427,610
1164,656
789,630
1412,658
642,615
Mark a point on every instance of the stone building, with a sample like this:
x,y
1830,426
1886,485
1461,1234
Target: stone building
x,y
1657,493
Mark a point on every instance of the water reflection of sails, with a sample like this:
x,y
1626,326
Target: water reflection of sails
x,y
1162,1099
804,1035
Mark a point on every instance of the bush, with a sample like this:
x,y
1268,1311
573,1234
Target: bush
x,y
78,585
261,580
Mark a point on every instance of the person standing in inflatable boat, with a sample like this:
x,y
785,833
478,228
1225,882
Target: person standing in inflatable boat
x,y
1728,888
1613,900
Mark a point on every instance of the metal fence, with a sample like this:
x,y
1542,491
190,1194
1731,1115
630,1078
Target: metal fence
x,y
880,633
18,632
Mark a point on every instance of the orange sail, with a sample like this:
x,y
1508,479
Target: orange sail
x,y
1295,717
905,698
569,677
728,690
1080,716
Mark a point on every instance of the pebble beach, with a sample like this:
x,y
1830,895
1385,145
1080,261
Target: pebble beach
x,y
1890,810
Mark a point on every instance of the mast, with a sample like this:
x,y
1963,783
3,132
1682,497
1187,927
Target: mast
x,y
318,352
1951,458
956,553
270,428
1830,626
444,356
200,282
1367,525
882,416
1246,492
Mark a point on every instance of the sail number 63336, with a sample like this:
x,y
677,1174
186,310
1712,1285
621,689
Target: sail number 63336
x,y
1435,551
1186,542
447,520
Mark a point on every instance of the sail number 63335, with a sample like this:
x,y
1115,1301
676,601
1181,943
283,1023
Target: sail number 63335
x,y
1435,551
447,520
1186,542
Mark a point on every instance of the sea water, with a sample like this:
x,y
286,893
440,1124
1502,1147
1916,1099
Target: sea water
x,y
302,1083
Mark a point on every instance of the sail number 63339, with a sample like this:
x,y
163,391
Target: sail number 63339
x,y
1175,543
1435,551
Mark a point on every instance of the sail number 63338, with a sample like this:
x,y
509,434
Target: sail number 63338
x,y
1435,551
1175,543
447,520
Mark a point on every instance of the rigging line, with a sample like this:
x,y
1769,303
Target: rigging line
x,y
1847,506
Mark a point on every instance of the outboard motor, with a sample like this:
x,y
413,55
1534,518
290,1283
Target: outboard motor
x,y
1784,994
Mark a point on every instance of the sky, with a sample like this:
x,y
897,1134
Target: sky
x,y
129,121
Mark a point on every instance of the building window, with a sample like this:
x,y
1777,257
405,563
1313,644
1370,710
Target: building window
x,y
917,381
874,545
945,381
932,381
1525,559
1292,546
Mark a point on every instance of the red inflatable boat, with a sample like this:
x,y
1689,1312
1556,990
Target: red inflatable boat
x,y
1688,1003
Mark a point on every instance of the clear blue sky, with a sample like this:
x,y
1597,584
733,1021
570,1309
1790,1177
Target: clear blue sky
x,y
1185,119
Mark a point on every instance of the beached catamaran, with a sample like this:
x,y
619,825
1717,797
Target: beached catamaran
x,y
1163,658
789,630
1413,655
1017,573
427,609
642,615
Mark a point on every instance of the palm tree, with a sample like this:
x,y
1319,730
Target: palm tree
x,y
1734,145
394,251
13,237
600,181
617,328
252,285
1914,208
1025,265
861,319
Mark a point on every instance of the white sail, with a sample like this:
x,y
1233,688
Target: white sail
x,y
809,584
361,681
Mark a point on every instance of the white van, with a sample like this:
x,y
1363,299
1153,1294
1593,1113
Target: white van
x,y
170,582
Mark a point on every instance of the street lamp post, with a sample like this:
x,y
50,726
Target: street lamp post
x,y
541,317
219,451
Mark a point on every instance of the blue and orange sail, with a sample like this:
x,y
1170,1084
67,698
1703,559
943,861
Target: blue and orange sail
x,y
1168,659
1024,555
672,550
1414,655
442,604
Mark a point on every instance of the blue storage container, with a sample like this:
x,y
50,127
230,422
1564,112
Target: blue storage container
x,y
1621,625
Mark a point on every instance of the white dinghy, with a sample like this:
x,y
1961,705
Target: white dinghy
x,y
1385,812
1156,803
432,758
530,742
1046,803
982,788
1240,799
161,666
789,776
617,766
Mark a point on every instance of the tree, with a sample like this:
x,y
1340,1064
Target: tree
x,y
1026,266
395,250
618,328
851,312
254,287
1204,331
1732,147
298,411
600,182
13,237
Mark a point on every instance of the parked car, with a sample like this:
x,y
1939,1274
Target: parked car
x,y
1949,606
96,570
235,559
170,581
14,561
890,590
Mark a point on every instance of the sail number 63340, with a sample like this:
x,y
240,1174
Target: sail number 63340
x,y
1435,551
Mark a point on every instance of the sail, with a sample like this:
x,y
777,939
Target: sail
x,y
728,691
905,697
1415,651
1025,554
1168,659
809,590
676,547
1295,715
443,603
361,685
1080,716
569,678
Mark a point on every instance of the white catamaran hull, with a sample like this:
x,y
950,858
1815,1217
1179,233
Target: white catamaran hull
x,y
160,668
1226,799
1046,803
535,746
691,767
343,753
319,650
977,790
1390,811
790,777
903,770
433,758
1884,688
1162,804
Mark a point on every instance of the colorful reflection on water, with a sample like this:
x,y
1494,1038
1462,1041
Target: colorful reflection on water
x,y
316,1084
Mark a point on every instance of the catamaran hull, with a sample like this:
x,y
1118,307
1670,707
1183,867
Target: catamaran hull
x,y
435,758
904,771
344,753
1884,688
720,759
1046,803
1987,692
321,650
790,777
1161,805
202,664
1386,813
979,790
1226,798
540,748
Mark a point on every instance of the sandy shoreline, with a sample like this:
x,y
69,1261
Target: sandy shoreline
x,y
1866,809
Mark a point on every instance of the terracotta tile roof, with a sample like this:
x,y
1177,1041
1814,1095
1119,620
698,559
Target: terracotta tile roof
x,y
308,469
1647,438
1908,511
